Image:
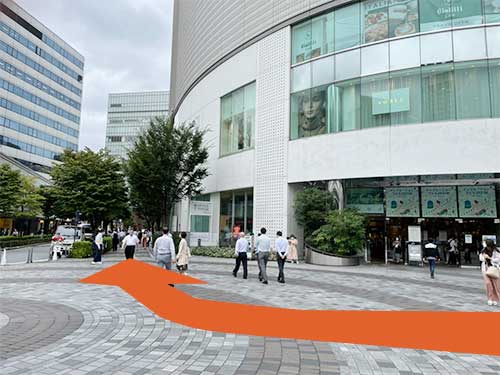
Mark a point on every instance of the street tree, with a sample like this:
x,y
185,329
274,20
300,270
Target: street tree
x,y
165,165
91,183
10,190
30,199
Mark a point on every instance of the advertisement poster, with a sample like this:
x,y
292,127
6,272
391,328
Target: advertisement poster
x,y
366,200
403,17
439,201
402,202
376,20
477,201
309,39
441,14
492,10
389,18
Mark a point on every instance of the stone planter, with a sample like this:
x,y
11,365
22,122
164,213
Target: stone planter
x,y
314,256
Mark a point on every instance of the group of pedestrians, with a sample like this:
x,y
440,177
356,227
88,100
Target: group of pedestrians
x,y
284,248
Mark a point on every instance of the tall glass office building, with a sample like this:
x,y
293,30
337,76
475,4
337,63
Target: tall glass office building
x,y
41,78
129,114
396,101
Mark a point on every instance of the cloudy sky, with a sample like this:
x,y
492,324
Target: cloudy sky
x,y
126,45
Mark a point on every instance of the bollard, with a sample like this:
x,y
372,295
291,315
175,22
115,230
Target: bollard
x,y
54,254
3,262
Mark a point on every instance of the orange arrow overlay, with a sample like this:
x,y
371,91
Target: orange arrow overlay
x,y
464,332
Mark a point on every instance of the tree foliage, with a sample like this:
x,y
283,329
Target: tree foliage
x,y
30,199
10,190
311,208
91,183
165,166
342,234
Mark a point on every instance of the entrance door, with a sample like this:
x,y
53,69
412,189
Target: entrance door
x,y
376,239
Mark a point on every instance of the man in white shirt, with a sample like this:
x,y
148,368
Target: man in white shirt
x,y
164,250
99,247
130,242
281,247
240,251
263,246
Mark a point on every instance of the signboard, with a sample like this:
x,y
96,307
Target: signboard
x,y
468,238
414,233
201,208
476,176
402,202
439,201
438,14
309,38
366,200
414,253
477,201
397,100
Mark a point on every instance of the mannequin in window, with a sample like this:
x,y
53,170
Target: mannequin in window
x,y
312,113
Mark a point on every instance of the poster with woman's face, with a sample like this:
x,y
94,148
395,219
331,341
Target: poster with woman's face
x,y
312,112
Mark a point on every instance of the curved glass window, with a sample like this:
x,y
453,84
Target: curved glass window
x,y
309,112
374,20
237,120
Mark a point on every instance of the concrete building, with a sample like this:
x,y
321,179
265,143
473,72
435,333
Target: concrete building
x,y
41,79
393,104
129,114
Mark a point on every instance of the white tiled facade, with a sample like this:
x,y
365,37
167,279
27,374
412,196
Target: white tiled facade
x,y
41,80
129,114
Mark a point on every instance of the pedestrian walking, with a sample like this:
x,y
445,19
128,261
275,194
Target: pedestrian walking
x,y
115,240
281,246
490,261
398,250
97,247
129,244
452,251
240,251
164,250
263,246
293,255
183,255
431,255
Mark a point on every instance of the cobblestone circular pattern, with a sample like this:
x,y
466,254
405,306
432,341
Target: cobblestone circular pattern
x,y
32,325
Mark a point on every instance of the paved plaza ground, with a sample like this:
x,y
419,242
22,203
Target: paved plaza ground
x,y
52,324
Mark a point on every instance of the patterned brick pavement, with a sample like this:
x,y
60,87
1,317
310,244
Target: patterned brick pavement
x,y
51,324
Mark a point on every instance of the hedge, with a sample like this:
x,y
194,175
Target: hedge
x,y
14,241
81,249
217,252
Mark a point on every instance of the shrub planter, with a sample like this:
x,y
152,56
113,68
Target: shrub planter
x,y
314,256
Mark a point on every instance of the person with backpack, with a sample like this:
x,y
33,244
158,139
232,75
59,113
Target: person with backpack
x,y
431,255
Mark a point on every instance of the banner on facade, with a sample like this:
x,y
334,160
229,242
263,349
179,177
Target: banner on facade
x,y
366,200
477,201
439,201
397,100
402,202
441,14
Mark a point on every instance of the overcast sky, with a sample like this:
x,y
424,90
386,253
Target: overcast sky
x,y
126,45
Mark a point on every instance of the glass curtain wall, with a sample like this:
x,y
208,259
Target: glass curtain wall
x,y
237,120
374,20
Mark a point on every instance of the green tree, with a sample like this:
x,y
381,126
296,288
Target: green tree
x,y
343,233
30,199
165,166
10,190
89,182
311,208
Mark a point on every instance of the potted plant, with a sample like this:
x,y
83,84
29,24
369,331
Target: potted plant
x,y
339,240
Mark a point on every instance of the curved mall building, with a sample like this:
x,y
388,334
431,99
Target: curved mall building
x,y
396,101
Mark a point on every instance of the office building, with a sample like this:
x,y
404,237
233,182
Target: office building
x,y
41,79
395,104
129,114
